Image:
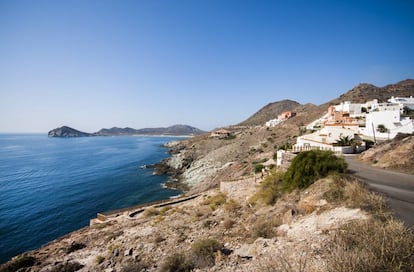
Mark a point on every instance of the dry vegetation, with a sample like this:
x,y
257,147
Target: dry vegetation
x,y
396,154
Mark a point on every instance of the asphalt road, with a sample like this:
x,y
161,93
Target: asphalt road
x,y
397,187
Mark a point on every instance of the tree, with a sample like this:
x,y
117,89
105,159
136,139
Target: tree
x,y
345,141
407,112
381,128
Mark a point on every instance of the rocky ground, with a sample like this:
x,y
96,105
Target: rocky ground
x,y
297,231
396,154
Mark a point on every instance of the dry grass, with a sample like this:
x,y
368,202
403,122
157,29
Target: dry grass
x,y
18,264
265,227
372,245
177,262
151,212
215,201
228,223
231,206
99,259
354,194
280,262
307,208
203,252
359,196
269,190
158,238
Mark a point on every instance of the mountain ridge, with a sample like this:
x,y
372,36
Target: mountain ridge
x,y
175,130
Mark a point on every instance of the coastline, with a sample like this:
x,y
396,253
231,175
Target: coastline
x,y
161,182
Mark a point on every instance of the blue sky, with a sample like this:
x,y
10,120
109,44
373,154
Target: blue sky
x,y
93,64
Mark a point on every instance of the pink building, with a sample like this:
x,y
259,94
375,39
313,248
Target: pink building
x,y
286,115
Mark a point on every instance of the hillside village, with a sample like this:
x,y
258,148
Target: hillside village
x,y
355,122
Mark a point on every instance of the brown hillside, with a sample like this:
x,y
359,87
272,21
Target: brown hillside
x,y
364,92
270,111
396,154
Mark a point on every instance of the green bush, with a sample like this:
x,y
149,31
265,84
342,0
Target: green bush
x,y
203,252
258,168
309,166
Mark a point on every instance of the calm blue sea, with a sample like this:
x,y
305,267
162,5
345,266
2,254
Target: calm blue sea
x,y
52,186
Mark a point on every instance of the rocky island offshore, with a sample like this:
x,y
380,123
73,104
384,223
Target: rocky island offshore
x,y
245,210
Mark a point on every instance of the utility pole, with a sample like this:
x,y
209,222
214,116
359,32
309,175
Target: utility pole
x,y
373,132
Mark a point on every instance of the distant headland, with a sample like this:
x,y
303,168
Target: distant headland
x,y
175,130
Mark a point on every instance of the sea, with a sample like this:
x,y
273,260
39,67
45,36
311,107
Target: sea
x,y
52,186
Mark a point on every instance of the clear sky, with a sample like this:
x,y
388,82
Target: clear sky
x,y
206,63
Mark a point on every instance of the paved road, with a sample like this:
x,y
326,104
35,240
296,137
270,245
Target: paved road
x,y
398,187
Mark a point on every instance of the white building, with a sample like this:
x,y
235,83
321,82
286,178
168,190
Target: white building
x,y
403,101
354,110
327,137
273,123
387,115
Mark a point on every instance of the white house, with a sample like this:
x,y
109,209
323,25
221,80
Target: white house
x,y
272,123
387,115
353,109
403,101
327,137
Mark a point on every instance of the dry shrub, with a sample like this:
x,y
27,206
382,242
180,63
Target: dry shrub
x,y
228,223
307,208
265,227
67,267
358,195
134,266
202,212
269,190
280,262
215,201
158,238
177,262
372,245
99,259
336,192
164,210
203,252
151,212
232,206
18,263
74,247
